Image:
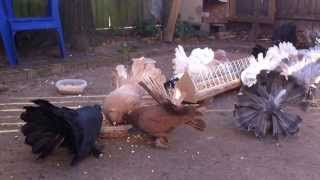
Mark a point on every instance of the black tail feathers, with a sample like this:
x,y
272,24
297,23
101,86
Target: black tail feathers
x,y
49,127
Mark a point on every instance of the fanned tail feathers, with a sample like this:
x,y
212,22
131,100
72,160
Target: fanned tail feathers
x,y
49,127
262,107
45,128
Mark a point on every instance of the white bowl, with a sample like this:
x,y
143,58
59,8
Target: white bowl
x,y
71,86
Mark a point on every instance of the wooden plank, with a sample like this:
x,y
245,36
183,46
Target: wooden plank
x,y
20,9
114,13
106,12
94,9
100,13
145,5
28,8
124,9
37,8
132,12
232,9
141,11
302,10
171,25
272,9
315,18
122,12
248,15
255,26
251,19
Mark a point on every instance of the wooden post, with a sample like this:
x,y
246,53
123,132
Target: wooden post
x,y
254,32
255,26
171,25
78,22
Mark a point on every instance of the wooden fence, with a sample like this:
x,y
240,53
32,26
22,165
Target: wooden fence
x,y
107,13
252,10
30,7
295,10
121,13
305,10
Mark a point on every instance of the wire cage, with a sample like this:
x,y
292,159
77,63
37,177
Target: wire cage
x,y
213,80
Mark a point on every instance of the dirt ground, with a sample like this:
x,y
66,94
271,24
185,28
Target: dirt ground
x,y
221,152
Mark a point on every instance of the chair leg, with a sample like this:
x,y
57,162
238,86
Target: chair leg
x,y
61,42
10,49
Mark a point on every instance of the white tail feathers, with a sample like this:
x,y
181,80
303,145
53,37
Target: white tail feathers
x,y
180,62
201,56
270,62
295,62
119,76
197,61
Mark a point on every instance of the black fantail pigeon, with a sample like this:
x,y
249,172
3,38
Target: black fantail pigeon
x,y
49,127
263,107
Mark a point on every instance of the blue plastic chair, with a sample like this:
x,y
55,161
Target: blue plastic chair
x,y
52,21
6,36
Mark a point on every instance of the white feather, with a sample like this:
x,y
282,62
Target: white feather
x,y
122,71
249,75
201,56
180,62
318,41
270,62
314,53
197,61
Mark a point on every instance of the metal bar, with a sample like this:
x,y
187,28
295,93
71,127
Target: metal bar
x,y
53,102
9,131
64,97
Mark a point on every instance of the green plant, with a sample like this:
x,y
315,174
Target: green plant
x,y
115,31
184,29
147,28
